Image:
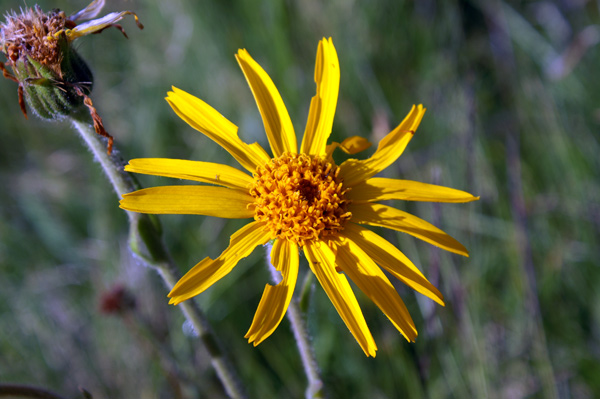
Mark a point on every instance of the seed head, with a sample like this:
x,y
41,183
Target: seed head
x,y
53,79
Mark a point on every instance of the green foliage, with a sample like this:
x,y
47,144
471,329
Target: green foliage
x,y
512,116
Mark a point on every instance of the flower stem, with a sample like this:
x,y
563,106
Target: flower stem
x,y
146,244
298,324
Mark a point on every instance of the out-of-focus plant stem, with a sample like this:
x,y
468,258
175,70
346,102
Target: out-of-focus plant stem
x,y
26,391
146,244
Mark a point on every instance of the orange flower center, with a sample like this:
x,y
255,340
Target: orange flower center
x,y
300,198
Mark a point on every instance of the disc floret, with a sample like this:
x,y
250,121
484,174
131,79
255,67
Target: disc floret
x,y
301,198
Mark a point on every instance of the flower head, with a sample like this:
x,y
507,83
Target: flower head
x,y
52,77
303,201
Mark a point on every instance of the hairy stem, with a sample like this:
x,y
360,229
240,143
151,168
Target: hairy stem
x,y
146,243
298,324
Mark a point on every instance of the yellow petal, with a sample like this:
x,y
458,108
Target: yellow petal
x,y
391,218
276,119
392,259
323,104
190,200
215,126
379,189
370,279
208,271
275,299
322,262
91,11
206,172
389,149
97,25
352,145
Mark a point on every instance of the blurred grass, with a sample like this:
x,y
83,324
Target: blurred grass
x,y
522,314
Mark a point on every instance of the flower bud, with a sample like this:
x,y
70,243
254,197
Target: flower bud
x,y
49,71
52,77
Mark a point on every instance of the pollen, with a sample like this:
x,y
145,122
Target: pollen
x,y
301,198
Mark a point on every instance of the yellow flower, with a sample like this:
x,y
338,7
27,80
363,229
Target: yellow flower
x,y
301,200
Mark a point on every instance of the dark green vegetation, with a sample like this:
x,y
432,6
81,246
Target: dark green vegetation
x,y
512,93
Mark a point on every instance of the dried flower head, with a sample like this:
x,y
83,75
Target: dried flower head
x,y
52,77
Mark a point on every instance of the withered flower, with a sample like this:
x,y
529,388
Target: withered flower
x,y
52,77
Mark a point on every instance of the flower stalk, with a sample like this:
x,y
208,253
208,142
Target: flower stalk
x,y
55,83
299,328
307,353
146,244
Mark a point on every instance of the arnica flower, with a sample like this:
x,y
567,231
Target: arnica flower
x,y
301,200
52,77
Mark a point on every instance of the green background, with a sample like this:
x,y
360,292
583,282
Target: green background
x,y
512,93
